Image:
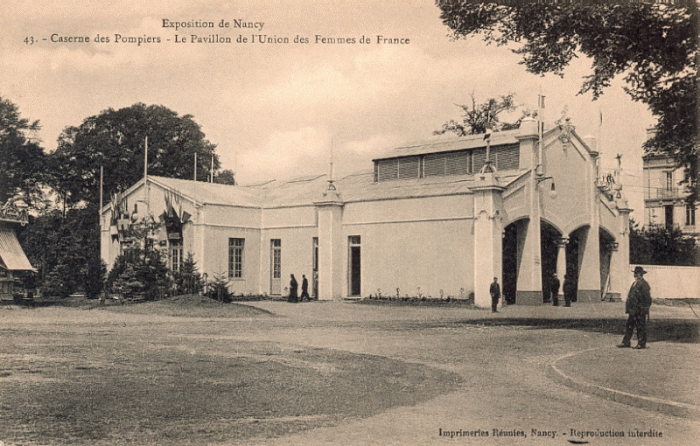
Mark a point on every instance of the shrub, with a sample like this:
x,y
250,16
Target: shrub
x,y
58,283
188,280
95,273
139,275
218,288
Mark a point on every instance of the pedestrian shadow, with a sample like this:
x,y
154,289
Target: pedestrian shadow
x,y
668,330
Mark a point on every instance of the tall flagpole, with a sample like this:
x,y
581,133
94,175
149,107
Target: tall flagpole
x,y
145,175
331,161
211,176
101,187
195,166
540,131
102,172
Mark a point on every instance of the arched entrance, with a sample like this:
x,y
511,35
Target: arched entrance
x,y
511,259
513,237
550,250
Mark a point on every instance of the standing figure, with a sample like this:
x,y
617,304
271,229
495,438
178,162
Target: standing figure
x,y
304,289
637,307
569,291
555,290
495,290
293,285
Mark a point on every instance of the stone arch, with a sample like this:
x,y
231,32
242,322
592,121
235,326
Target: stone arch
x,y
513,254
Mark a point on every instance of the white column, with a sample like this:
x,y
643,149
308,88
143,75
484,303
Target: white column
x,y
589,286
561,263
620,275
330,245
488,240
529,290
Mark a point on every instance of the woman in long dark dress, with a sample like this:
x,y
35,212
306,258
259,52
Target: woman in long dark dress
x,y
293,286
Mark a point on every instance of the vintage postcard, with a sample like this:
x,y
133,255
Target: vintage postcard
x,y
331,222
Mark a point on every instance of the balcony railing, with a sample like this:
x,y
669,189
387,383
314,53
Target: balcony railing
x,y
664,193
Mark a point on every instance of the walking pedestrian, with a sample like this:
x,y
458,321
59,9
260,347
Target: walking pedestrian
x,y
637,308
304,289
293,286
495,290
555,290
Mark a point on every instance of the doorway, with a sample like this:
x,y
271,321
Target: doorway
x,y
275,267
314,269
354,263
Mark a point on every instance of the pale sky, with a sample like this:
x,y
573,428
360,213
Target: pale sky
x,y
274,110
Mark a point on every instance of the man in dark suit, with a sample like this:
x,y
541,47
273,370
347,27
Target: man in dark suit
x,y
495,290
569,290
637,307
555,290
304,289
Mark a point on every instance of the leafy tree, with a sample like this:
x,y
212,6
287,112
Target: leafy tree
x,y
127,284
95,273
64,249
480,118
653,45
58,282
661,246
139,274
22,160
225,177
116,140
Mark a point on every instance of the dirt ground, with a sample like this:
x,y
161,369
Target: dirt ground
x,y
130,379
180,373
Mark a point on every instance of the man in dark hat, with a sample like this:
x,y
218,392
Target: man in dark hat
x,y
495,290
569,290
637,307
555,290
304,289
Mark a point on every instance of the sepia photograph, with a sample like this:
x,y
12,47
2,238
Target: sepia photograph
x,y
349,222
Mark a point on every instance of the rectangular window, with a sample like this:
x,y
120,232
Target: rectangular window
x,y
507,157
275,267
397,169
236,250
409,168
176,255
669,215
387,169
453,163
690,215
276,247
669,180
479,159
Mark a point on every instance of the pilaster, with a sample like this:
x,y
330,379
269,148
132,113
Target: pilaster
x,y
620,261
561,263
330,244
529,290
488,242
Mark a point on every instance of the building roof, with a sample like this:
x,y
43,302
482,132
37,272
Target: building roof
x,y
209,193
11,253
452,144
355,187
